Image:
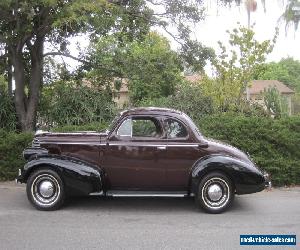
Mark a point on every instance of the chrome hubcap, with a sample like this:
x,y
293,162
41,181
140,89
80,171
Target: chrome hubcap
x,y
214,192
46,189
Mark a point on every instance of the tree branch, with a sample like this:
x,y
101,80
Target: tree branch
x,y
64,55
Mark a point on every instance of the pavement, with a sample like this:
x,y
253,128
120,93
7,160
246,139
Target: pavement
x,y
145,223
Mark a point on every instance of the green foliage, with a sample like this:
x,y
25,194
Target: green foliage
x,y
150,67
11,148
8,118
290,15
187,98
72,104
286,71
236,67
95,126
271,143
276,104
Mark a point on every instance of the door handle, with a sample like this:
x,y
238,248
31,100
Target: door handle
x,y
161,147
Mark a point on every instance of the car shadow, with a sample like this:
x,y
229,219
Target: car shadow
x,y
154,204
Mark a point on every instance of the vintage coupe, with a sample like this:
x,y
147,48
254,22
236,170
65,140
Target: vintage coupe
x,y
145,152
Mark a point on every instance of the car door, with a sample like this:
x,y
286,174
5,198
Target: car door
x,y
181,153
131,159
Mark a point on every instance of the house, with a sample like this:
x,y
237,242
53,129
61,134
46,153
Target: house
x,y
121,96
257,87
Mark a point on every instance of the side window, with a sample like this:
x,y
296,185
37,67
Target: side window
x,y
140,127
126,128
175,129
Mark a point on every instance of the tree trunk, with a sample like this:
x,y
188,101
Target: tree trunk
x,y
26,105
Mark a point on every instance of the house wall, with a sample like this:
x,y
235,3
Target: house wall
x,y
121,99
257,98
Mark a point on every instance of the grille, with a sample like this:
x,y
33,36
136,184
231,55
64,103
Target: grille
x,y
35,143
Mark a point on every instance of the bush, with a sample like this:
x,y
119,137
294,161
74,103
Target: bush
x,y
273,144
70,104
11,148
188,98
88,127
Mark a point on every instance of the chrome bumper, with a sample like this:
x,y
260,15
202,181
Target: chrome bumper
x,y
20,177
268,183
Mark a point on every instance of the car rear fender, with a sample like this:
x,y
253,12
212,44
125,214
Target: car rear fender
x,y
242,174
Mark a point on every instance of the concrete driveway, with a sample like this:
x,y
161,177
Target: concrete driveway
x,y
144,223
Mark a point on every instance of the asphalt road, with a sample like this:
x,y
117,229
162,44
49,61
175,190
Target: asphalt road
x,y
144,223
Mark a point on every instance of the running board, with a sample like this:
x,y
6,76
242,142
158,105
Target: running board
x,y
115,193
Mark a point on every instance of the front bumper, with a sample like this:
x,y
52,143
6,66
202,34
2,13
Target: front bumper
x,y
268,183
20,178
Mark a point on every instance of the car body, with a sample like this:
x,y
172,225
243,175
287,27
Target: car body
x,y
146,151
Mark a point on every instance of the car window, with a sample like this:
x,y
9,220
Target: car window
x,y
126,128
140,127
175,129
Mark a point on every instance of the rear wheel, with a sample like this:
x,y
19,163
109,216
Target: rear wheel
x,y
215,193
45,189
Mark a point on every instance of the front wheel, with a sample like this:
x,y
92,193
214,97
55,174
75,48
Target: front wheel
x,y
45,189
215,193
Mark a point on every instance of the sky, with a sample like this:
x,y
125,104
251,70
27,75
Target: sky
x,y
218,20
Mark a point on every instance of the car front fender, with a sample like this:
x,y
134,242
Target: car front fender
x,y
80,177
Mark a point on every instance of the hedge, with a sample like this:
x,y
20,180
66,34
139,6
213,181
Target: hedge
x,y
11,147
273,144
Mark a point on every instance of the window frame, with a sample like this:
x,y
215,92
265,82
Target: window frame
x,y
155,119
186,138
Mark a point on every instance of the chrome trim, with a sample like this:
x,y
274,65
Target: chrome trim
x,y
155,145
121,144
145,194
39,132
148,195
73,143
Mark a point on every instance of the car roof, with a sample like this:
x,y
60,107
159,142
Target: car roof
x,y
150,110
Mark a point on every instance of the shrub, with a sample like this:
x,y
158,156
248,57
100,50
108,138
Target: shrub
x,y
70,104
11,148
273,144
188,98
88,127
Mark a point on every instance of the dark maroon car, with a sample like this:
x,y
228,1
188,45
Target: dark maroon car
x,y
145,152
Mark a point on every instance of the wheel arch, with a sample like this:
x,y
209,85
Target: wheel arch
x,y
78,176
227,165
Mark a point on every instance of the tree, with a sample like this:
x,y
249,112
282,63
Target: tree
x,y
291,14
287,70
150,68
234,69
7,110
27,26
276,105
188,98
